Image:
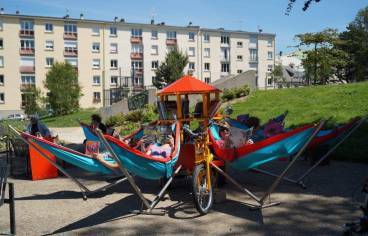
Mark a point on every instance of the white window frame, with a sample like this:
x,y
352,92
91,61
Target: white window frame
x,y
269,55
70,28
96,63
115,82
28,79
112,50
2,43
47,27
207,80
95,31
2,80
239,44
253,57
154,34
154,49
27,44
191,36
239,71
113,31
207,66
96,80
154,64
137,48
97,98
191,66
2,98
225,39
207,52
239,58
171,35
137,64
191,51
1,25
113,64
225,69
136,33
95,47
48,60
27,25
49,43
206,38
269,43
1,61
73,60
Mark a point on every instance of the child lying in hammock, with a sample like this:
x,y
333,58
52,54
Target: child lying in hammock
x,y
159,150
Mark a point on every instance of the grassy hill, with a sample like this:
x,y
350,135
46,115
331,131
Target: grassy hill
x,y
308,104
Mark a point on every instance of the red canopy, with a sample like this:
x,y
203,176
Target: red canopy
x,y
188,85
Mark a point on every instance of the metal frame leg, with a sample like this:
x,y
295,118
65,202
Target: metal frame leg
x,y
12,209
261,200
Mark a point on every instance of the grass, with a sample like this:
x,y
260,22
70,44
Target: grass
x,y
309,104
70,120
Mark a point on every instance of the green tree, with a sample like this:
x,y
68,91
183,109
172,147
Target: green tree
x,y
32,100
171,69
277,74
64,90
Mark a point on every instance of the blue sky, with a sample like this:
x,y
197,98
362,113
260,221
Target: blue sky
x,y
230,14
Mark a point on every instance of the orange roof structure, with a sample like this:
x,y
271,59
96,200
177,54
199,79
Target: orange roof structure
x,y
188,85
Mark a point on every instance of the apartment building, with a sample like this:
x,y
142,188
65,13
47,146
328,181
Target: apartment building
x,y
111,54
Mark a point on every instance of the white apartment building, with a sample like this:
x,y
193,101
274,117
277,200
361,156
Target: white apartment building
x,y
108,54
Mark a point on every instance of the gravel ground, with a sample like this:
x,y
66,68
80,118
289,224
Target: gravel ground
x,y
55,206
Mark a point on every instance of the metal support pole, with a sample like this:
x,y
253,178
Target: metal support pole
x,y
277,181
122,168
12,209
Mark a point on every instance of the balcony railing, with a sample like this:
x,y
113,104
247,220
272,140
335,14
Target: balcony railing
x,y
26,86
253,60
26,33
27,69
136,55
224,59
70,35
70,52
136,40
171,42
26,51
138,71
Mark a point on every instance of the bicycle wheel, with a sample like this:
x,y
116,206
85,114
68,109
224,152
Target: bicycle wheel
x,y
203,198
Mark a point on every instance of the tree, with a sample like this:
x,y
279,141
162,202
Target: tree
x,y
64,90
305,7
277,74
32,100
171,69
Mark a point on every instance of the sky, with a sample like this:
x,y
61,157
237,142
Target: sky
x,y
248,15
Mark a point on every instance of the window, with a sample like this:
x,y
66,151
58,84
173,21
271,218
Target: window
x,y
269,68
27,44
253,55
27,62
1,43
96,63
206,66
2,98
154,50
206,38
154,34
154,64
96,96
171,35
95,47
113,64
191,51
269,55
239,57
70,28
113,31
136,48
114,80
28,79
137,65
191,66
191,36
70,46
49,61
154,79
207,80
49,45
1,25
72,61
253,41
137,33
96,80
1,61
239,71
253,66
225,67
225,54
96,31
113,48
239,44
269,42
225,39
207,52
49,27
1,79
26,25
269,81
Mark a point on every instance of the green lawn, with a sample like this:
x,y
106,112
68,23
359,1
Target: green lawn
x,y
69,120
308,104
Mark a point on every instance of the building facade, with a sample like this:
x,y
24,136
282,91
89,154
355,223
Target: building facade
x,y
108,54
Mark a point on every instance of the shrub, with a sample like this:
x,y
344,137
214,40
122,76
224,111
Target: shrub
x,y
115,120
150,113
227,95
135,116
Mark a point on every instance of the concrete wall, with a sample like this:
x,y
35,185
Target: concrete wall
x,y
248,77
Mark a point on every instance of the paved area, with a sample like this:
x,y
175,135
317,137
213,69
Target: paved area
x,y
55,206
69,134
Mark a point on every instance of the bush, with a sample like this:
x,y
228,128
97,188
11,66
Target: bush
x,y
115,120
150,113
135,116
232,93
227,95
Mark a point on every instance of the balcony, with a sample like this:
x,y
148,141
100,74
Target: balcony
x,y
171,42
70,52
136,56
96,100
27,69
225,59
136,40
70,35
138,72
27,86
26,51
253,60
26,33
